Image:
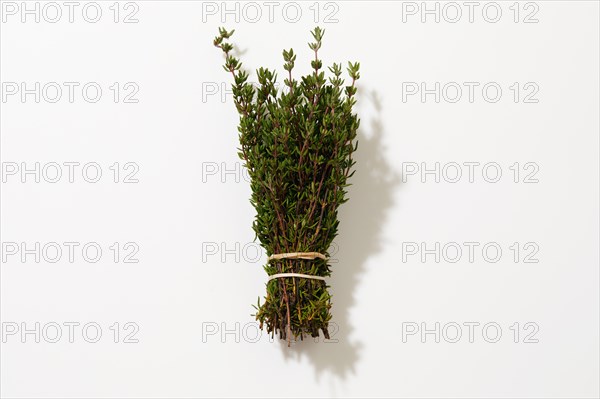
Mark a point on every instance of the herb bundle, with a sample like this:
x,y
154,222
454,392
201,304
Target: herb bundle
x,y
297,144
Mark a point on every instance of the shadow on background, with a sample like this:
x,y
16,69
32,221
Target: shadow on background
x,y
362,219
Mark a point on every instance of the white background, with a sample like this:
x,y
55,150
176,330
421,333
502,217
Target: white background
x,y
191,292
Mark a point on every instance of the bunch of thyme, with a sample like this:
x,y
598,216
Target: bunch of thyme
x,y
297,145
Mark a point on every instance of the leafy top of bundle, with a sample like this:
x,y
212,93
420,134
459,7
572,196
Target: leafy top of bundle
x,y
309,124
249,99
